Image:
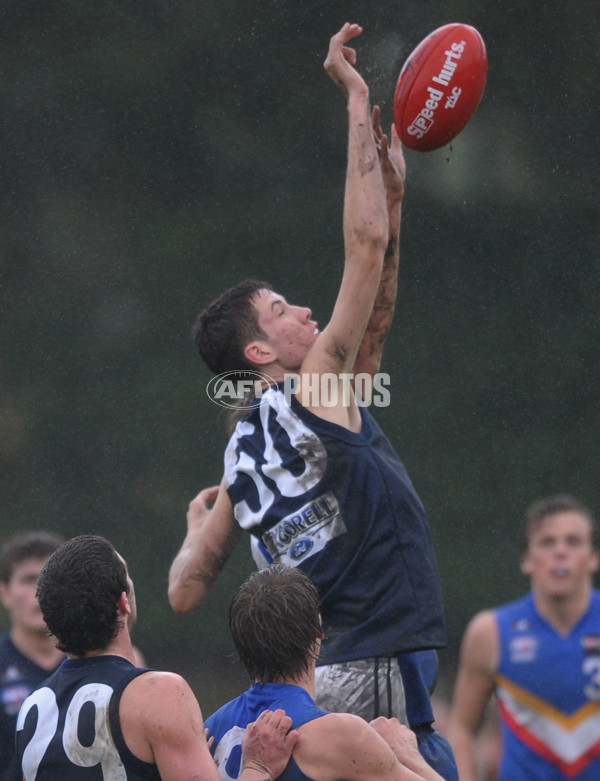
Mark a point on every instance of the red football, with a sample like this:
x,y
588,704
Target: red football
x,y
440,86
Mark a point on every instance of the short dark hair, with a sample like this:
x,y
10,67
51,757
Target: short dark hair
x,y
274,619
539,510
24,546
224,328
78,591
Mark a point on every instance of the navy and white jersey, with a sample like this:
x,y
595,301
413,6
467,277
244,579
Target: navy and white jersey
x,y
19,676
341,506
69,727
228,724
548,689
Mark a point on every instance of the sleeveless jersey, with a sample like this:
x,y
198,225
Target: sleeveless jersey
x,y
548,689
341,506
19,676
227,725
69,727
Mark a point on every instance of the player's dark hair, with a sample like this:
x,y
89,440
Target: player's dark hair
x,y
275,621
78,590
25,546
224,328
539,510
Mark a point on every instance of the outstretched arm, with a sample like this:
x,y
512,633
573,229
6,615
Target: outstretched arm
x,y
212,534
393,169
365,220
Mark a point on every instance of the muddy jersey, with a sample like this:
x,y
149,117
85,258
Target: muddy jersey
x,y
69,728
341,506
228,724
19,676
548,689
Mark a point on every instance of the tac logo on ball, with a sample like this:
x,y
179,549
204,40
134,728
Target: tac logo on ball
x,y
440,87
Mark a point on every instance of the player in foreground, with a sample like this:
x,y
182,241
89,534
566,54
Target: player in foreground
x,y
319,486
276,628
100,717
541,656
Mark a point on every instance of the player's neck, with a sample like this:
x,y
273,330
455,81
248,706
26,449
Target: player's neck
x,y
304,681
563,612
39,648
120,646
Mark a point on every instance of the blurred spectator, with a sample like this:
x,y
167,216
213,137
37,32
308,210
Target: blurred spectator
x,y
540,655
28,654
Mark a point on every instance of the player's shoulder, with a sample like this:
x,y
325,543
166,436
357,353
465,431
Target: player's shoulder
x,y
327,738
481,636
595,602
158,687
336,726
483,622
5,647
523,606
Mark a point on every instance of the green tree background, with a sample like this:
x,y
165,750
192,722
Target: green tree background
x,y
153,153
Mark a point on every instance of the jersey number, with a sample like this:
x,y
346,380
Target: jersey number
x,y
287,431
101,751
591,667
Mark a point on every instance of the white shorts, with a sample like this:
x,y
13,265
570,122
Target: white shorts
x,y
366,687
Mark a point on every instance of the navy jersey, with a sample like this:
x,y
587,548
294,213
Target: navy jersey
x,y
548,688
228,724
19,676
341,506
69,727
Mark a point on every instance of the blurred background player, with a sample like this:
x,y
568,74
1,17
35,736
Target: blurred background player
x,y
275,622
540,655
100,716
328,472
28,655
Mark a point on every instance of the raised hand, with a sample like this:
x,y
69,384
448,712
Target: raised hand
x,y
268,743
393,165
341,60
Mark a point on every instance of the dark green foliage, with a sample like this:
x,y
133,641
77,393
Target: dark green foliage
x,y
153,153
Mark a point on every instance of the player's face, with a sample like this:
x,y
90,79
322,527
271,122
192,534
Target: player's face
x,y
290,330
560,558
18,596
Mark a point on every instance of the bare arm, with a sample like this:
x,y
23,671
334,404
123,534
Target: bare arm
x,y
212,534
472,691
365,220
403,742
343,747
393,169
162,723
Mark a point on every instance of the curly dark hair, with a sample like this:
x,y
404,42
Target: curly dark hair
x,y
24,546
78,590
224,328
275,621
551,505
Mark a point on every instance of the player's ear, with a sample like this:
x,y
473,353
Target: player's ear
x,y
595,561
525,564
5,595
123,604
259,353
